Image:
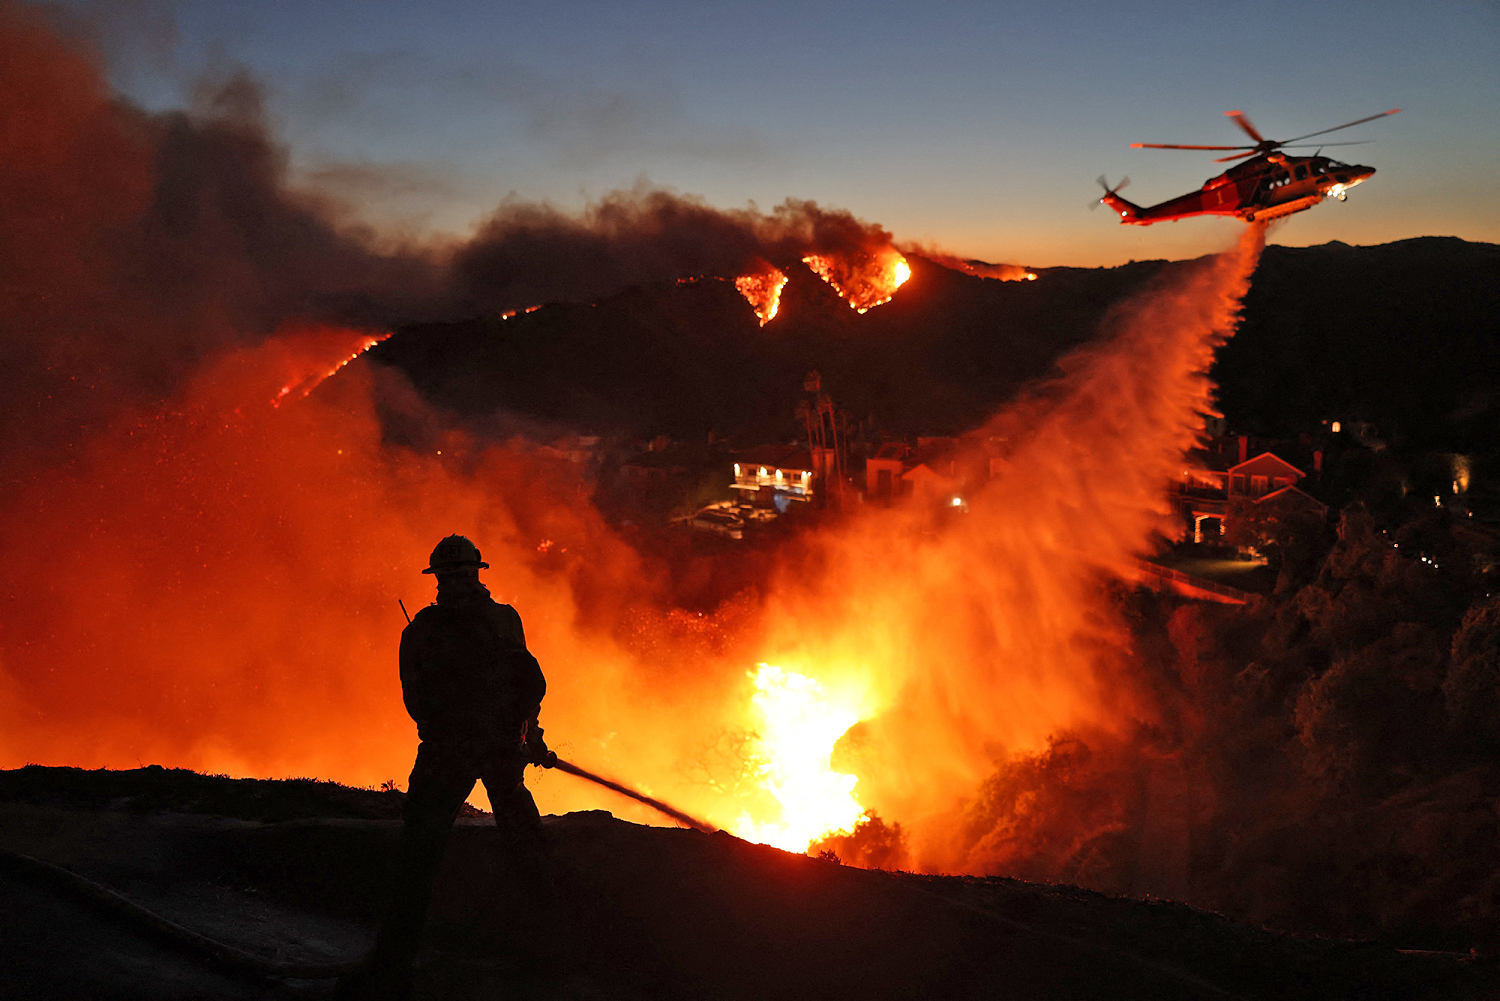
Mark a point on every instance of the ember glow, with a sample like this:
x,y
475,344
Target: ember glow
x,y
763,292
799,724
863,281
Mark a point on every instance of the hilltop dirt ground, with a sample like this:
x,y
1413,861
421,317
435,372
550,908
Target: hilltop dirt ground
x,y
292,871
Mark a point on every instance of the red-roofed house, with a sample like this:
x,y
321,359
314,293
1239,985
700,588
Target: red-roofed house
x,y
928,470
1214,480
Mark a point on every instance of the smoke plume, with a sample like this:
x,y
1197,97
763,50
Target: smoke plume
x,y
527,253
138,245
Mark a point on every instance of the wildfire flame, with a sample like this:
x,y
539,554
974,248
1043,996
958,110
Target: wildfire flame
x,y
800,723
309,362
763,292
977,268
866,282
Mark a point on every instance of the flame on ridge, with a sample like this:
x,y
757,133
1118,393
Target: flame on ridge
x,y
800,723
307,357
977,268
762,291
864,282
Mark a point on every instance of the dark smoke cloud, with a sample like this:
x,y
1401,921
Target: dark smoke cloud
x,y
137,245
528,253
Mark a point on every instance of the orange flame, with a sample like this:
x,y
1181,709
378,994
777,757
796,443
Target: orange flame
x,y
763,292
979,269
864,282
305,349
800,723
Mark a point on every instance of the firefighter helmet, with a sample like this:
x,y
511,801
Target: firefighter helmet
x,y
453,554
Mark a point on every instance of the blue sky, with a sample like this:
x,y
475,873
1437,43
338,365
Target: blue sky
x,y
976,126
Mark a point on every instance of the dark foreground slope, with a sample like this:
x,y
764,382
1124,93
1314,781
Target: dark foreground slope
x,y
293,871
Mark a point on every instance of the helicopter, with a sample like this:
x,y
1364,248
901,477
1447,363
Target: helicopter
x,y
1269,184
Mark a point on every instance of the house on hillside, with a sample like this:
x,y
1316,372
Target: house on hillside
x,y
775,476
884,469
930,469
1224,474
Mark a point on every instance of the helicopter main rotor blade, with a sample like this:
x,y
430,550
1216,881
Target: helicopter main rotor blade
x,y
1262,144
1357,121
1176,146
1355,142
1238,117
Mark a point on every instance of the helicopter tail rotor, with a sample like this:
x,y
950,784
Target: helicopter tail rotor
x,y
1109,192
1111,197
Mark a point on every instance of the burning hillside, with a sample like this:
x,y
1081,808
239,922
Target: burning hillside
x,y
762,291
865,282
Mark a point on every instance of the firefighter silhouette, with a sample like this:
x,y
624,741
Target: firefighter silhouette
x,y
475,692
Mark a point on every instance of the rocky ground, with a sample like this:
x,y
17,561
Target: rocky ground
x,y
293,872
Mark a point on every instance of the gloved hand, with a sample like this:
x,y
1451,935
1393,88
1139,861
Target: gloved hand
x,y
537,752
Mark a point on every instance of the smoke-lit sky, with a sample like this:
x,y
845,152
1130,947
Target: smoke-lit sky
x,y
976,126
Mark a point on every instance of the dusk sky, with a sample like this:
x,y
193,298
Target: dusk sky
x,y
978,127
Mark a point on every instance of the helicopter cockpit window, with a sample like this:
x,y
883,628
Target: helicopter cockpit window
x,y
1301,171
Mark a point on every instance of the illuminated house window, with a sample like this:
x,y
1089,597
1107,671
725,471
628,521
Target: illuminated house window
x,y
772,475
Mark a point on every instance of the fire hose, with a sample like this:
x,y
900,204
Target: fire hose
x,y
682,818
